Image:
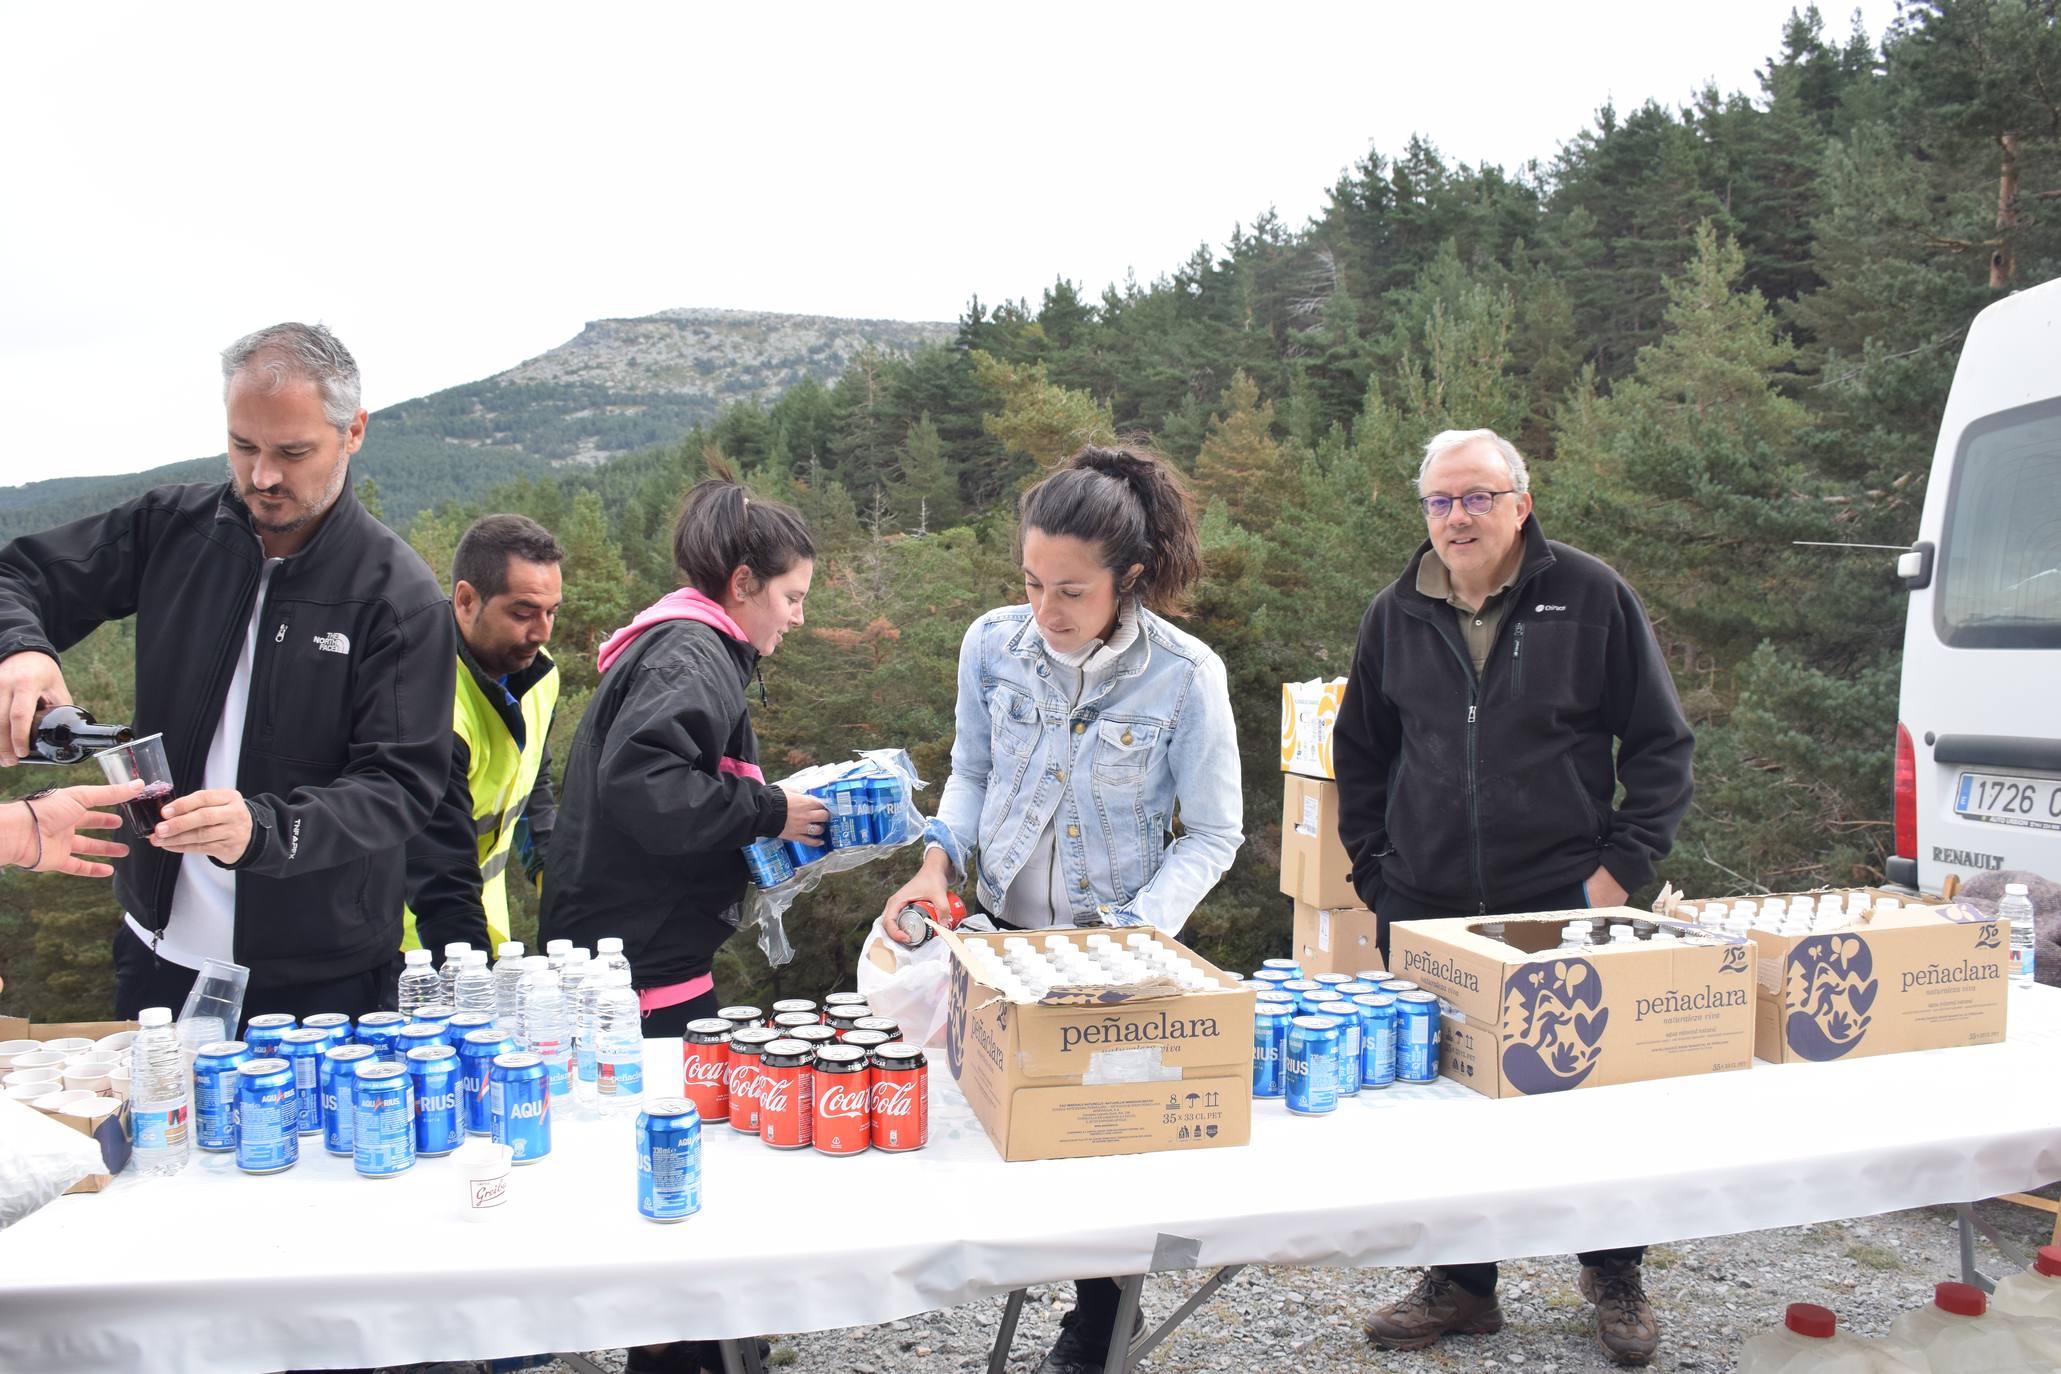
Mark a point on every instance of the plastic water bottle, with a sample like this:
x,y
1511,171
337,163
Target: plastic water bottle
x,y
420,986
473,988
1810,1342
544,1028
608,952
161,1097
1575,937
555,951
576,980
1958,1335
2034,1293
454,959
619,1043
508,986
2017,909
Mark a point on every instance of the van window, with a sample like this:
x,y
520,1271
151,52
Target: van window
x,y
2000,568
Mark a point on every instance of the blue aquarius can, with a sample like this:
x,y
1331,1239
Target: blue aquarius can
x,y
439,1125
464,1023
338,1072
416,1034
1270,1050
767,864
669,1160
380,1029
1331,980
1274,997
1416,1037
1396,987
476,1058
1274,976
267,1134
436,1014
851,813
1376,976
1346,1074
1312,1065
382,1119
519,1101
335,1022
1377,1039
1320,1002
214,1093
884,797
1301,986
1356,988
263,1033
303,1047
1287,966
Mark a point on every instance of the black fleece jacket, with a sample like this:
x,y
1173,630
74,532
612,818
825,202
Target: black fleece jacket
x,y
1472,793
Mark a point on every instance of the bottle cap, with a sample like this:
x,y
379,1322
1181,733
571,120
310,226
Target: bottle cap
x,y
414,956
2014,889
531,963
154,1016
475,958
609,944
1809,1319
557,946
2048,1261
1961,1299
457,949
510,949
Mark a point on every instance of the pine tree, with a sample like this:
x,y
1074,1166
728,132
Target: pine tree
x,y
1240,465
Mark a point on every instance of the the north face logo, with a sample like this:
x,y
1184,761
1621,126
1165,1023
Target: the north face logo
x,y
335,642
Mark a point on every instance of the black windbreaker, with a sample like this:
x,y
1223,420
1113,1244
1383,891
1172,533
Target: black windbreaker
x,y
651,824
347,738
1474,793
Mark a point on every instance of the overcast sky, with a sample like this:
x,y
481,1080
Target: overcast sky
x,y
455,188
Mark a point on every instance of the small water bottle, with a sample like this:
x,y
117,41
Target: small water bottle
x,y
420,986
454,959
579,985
508,985
556,951
544,1029
2017,909
161,1097
608,952
619,1043
473,988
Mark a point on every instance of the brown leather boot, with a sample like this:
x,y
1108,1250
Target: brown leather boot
x,y
1436,1307
1625,1326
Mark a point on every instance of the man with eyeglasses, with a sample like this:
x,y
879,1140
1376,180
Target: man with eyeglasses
x,y
1503,689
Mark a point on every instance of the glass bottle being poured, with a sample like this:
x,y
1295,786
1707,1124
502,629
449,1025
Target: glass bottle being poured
x,y
69,734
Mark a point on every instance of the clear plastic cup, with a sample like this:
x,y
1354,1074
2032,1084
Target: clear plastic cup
x,y
141,760
214,1008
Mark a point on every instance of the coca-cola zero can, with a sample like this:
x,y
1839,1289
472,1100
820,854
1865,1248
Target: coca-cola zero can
x,y
901,1098
844,1100
746,1048
705,1067
786,1097
846,1016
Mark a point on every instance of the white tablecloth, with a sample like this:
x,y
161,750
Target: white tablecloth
x,y
216,1271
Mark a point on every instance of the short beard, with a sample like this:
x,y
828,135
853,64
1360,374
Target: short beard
x,y
306,517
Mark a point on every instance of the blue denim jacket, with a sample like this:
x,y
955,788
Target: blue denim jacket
x,y
1156,733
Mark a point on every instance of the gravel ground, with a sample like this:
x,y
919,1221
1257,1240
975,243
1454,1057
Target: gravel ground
x,y
1710,1295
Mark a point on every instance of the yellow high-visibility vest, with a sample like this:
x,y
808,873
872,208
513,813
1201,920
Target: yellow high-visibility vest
x,y
501,777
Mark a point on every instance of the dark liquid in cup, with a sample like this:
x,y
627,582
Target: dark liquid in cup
x,y
148,809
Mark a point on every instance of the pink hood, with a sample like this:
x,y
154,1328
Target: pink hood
x,y
685,604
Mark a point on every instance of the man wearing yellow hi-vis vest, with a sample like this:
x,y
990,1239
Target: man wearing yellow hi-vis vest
x,y
497,804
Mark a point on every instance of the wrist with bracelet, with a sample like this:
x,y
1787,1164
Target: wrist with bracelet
x,y
35,824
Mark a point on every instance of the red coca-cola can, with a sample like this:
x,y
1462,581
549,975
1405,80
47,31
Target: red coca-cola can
x,y
786,1094
847,1015
740,1017
844,1100
787,1004
867,1040
844,999
879,1023
816,1037
705,1067
901,1098
747,1047
787,1022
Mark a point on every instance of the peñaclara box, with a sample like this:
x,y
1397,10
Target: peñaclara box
x,y
1521,1019
1108,1072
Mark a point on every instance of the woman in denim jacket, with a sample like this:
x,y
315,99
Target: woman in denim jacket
x,y
1085,723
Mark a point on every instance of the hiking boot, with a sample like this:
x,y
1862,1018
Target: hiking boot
x,y
1625,1326
1436,1307
1082,1347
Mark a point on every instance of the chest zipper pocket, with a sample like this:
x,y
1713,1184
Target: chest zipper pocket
x,y
1517,659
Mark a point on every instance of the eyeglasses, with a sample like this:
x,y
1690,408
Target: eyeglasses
x,y
1473,502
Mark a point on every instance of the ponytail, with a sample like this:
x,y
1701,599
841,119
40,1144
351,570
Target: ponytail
x,y
1134,506
721,529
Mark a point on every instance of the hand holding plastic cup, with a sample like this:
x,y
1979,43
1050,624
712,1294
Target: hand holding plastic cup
x,y
142,761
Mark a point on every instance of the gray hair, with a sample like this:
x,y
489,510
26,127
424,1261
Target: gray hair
x,y
1446,441
308,352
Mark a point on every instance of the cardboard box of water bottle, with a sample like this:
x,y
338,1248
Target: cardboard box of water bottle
x,y
1309,710
111,1131
1314,868
1341,939
1919,978
1522,1018
1107,1072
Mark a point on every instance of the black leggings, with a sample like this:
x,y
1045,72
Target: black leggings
x,y
669,1021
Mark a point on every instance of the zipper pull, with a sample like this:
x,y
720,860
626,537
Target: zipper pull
x,y
1470,712
280,638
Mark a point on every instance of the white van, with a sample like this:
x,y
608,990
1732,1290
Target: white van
x,y
1978,740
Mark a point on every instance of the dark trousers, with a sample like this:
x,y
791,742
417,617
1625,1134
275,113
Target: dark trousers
x,y
673,1020
1480,1279
142,979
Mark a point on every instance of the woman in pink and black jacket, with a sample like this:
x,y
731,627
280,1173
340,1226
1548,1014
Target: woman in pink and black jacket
x,y
662,787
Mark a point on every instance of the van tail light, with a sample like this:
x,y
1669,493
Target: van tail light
x,y
1906,794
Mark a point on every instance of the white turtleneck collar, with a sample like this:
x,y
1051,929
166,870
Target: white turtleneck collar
x,y
1097,655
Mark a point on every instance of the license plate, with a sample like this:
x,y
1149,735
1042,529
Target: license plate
x,y
2031,802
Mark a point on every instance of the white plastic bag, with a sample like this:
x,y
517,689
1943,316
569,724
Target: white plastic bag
x,y
39,1159
911,985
